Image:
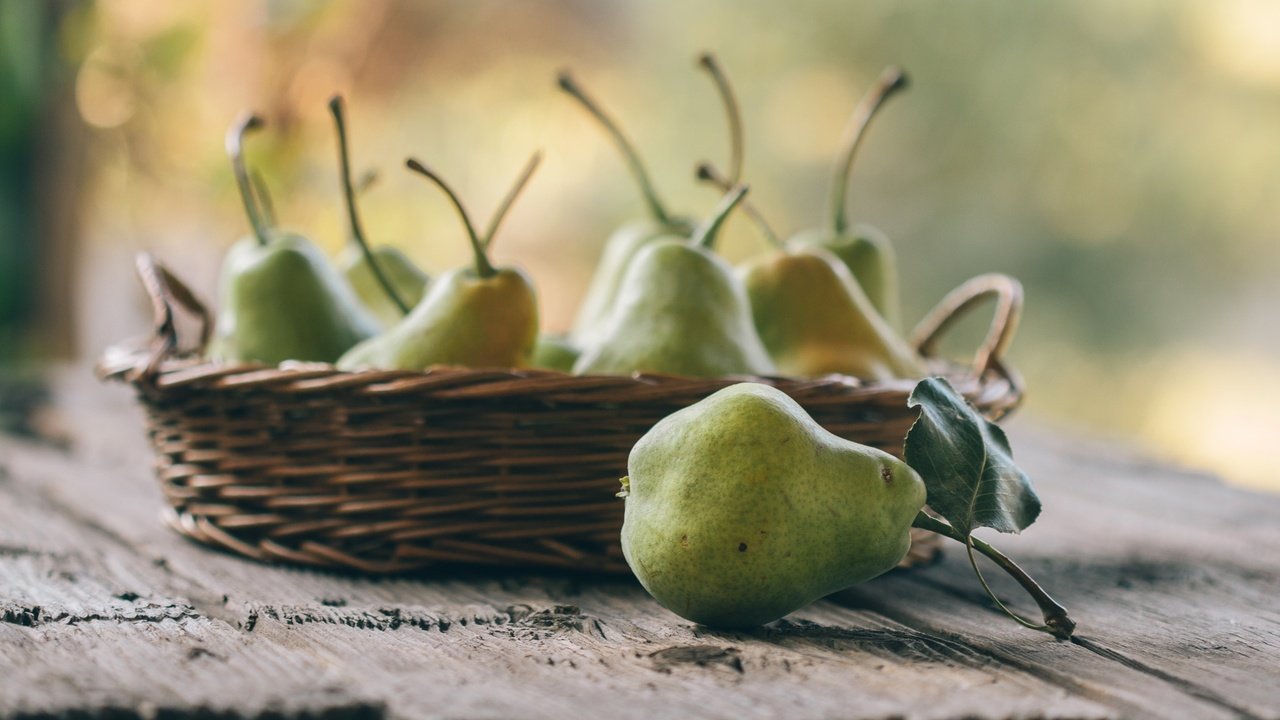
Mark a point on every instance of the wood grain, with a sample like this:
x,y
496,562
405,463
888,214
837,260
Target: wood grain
x,y
106,613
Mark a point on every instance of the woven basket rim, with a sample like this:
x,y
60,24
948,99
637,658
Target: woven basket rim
x,y
157,363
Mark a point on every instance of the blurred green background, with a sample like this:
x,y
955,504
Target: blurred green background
x,y
1120,157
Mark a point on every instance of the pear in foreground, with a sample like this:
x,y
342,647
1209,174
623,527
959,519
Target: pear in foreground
x,y
741,509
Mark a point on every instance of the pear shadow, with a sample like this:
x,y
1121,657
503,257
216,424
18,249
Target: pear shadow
x,y
902,645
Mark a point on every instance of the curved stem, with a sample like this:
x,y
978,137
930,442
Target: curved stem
x,y
235,150
483,267
1056,620
496,221
705,235
349,192
889,82
973,562
263,195
656,208
708,173
732,112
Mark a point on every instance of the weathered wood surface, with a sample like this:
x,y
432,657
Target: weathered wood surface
x,y
1173,578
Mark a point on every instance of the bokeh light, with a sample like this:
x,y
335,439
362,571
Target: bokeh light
x,y
1118,157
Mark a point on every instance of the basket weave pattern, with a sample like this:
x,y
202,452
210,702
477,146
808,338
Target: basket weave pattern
x,y
390,471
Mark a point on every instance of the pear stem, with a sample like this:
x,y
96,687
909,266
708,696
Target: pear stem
x,y
709,174
483,267
705,235
732,111
263,196
656,208
368,179
891,80
349,192
509,199
235,150
1056,620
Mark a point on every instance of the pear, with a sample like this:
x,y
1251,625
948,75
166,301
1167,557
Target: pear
x,y
386,281
740,509
680,310
279,298
554,352
815,319
627,240
865,250
407,280
476,316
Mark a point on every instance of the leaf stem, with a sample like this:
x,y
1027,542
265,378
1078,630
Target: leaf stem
x,y
1056,620
349,192
638,171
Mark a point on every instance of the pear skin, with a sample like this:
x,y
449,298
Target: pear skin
x,y
870,256
814,319
554,352
406,279
283,301
741,509
619,250
681,311
464,319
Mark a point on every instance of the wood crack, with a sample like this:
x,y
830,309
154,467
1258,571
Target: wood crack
x,y
349,711
38,615
1182,684
513,619
1068,683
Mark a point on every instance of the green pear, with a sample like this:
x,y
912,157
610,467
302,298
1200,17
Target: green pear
x,y
869,256
554,352
741,509
476,316
466,318
811,314
619,250
387,282
815,319
626,241
409,282
865,250
680,310
279,298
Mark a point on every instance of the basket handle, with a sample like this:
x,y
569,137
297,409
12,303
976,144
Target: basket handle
x,y
165,291
1008,311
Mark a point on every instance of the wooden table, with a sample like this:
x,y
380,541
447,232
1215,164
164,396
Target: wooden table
x,y
1173,578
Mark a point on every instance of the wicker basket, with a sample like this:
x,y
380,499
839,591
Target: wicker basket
x,y
391,471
